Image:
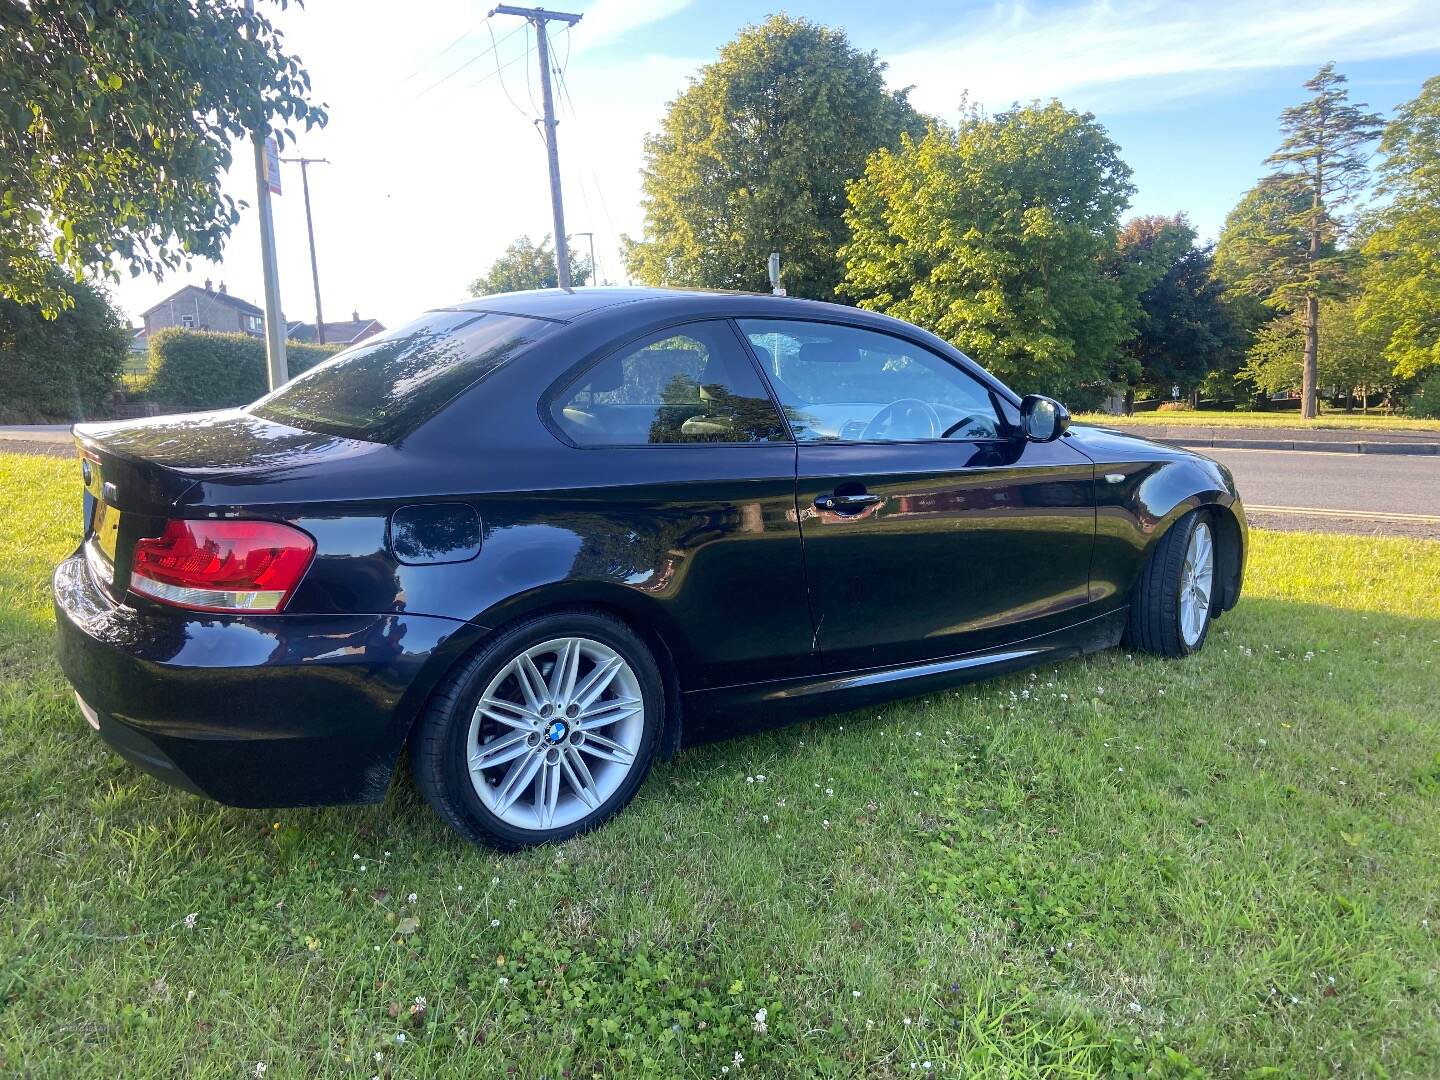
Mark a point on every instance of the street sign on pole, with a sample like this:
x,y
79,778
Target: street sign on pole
x,y
272,165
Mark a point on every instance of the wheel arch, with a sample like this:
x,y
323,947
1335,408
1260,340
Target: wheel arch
x,y
648,621
1176,489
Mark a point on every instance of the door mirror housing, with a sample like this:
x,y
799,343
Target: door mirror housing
x,y
1043,419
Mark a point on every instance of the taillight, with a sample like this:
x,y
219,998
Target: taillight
x,y
250,566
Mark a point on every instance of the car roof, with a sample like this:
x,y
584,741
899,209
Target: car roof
x,y
563,305
567,305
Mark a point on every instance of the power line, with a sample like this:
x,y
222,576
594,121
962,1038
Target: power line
x,y
438,55
498,70
473,60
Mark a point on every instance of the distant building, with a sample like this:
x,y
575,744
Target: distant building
x,y
206,308
197,308
336,333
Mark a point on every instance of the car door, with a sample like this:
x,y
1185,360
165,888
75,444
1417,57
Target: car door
x,y
682,491
928,528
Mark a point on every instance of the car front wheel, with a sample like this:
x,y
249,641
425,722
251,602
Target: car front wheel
x,y
545,732
1172,604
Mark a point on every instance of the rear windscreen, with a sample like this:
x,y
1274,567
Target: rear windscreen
x,y
387,385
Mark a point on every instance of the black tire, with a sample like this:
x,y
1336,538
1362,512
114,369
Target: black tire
x,y
1154,624
439,754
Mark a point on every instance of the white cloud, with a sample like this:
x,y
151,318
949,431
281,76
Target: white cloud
x,y
608,21
1103,48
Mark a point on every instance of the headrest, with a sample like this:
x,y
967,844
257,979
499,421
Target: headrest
x,y
827,352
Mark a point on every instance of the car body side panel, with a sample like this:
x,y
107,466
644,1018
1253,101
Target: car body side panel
x,y
969,546
1142,488
725,712
260,710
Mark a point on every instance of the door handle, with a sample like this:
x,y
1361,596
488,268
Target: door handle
x,y
844,503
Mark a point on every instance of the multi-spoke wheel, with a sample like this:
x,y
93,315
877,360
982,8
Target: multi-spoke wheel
x,y
1173,601
544,733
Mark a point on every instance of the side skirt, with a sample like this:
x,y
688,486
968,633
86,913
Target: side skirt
x,y
724,712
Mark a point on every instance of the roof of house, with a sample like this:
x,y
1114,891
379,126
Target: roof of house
x,y
224,297
336,333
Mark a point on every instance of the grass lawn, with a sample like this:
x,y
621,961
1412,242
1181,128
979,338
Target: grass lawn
x,y
1120,866
1335,421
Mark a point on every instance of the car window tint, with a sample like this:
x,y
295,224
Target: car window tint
x,y
844,384
688,385
389,384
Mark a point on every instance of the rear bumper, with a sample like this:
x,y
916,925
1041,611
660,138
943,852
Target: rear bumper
x,y
261,710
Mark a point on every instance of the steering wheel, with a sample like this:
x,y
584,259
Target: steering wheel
x,y
957,426
903,409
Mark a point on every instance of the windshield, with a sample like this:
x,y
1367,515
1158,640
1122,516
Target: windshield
x,y
388,385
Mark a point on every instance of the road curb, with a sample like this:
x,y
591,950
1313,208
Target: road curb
x,y
1359,446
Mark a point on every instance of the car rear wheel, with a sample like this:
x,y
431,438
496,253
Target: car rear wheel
x,y
545,732
1172,604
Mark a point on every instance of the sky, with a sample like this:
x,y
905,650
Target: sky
x,y
436,163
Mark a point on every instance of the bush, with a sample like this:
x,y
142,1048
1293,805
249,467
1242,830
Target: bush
x,y
1173,406
197,369
60,369
1425,402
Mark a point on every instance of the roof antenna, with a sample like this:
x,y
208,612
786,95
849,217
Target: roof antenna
x,y
775,287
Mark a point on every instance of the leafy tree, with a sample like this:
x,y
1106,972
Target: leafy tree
x,y
1185,330
1292,254
1000,236
116,125
754,155
1351,355
1401,279
527,265
63,367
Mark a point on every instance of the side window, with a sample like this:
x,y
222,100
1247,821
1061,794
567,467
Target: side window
x,y
844,384
693,384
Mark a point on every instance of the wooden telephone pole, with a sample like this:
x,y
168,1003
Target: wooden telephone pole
x,y
539,17
305,163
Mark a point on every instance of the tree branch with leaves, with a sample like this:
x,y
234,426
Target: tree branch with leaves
x,y
117,122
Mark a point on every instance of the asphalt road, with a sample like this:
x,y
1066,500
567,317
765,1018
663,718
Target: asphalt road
x,y
1370,494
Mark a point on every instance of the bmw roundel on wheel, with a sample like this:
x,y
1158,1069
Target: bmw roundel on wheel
x,y
535,540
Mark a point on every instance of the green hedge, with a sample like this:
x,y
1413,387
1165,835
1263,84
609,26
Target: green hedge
x,y
60,369
197,369
1425,402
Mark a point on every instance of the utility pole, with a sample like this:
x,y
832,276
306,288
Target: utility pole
x,y
305,163
594,280
276,369
539,17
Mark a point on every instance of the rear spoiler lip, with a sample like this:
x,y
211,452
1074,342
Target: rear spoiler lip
x,y
89,446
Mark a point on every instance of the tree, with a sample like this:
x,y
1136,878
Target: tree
x,y
1401,279
116,125
1185,330
754,155
1351,357
1294,255
64,367
1000,236
526,265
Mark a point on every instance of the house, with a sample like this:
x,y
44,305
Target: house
x,y
336,333
197,308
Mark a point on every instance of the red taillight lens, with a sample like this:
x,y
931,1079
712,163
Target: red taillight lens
x,y
222,565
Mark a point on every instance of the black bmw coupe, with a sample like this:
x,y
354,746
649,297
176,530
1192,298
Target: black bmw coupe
x,y
540,538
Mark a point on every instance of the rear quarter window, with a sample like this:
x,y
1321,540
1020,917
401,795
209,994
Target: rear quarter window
x,y
388,385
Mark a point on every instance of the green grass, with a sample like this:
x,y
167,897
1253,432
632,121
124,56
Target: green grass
x,y
1119,866
1334,421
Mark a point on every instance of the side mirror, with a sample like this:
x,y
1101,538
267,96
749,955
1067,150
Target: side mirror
x,y
1043,419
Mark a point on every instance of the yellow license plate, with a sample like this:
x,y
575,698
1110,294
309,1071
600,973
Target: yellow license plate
x,y
105,526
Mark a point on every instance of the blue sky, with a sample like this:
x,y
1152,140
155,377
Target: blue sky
x,y
436,166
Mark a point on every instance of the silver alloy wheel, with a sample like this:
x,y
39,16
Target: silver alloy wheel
x,y
555,733
1195,580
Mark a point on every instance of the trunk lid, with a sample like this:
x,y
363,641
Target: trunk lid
x,y
136,473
